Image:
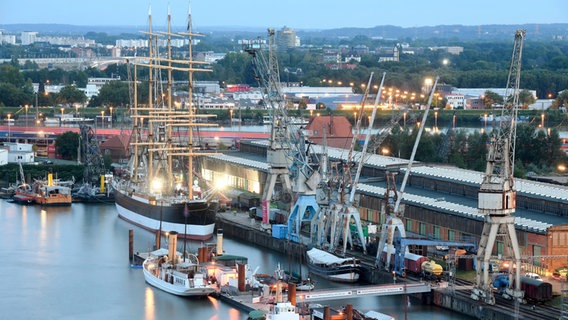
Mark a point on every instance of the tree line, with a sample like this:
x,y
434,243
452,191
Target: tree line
x,y
480,65
537,151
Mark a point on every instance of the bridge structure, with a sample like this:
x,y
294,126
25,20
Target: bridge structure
x,y
364,291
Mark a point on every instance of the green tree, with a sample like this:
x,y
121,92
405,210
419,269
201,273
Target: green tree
x,y
115,93
562,100
10,95
67,144
526,98
490,98
70,95
12,75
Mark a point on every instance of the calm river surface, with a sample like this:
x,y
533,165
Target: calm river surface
x,y
72,263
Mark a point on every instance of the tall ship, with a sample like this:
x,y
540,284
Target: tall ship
x,y
161,187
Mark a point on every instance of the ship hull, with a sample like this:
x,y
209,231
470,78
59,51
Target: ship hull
x,y
150,215
331,267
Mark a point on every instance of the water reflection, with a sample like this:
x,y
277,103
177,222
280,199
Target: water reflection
x,y
73,264
149,304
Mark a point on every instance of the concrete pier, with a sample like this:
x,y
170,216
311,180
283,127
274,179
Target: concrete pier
x,y
240,226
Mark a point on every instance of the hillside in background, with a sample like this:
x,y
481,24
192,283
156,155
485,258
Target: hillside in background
x,y
483,32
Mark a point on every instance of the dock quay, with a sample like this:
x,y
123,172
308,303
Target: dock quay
x,y
238,225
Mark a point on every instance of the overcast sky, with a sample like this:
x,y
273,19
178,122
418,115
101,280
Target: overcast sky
x,y
297,14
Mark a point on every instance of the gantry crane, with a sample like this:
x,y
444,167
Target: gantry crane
x,y
268,76
496,197
394,209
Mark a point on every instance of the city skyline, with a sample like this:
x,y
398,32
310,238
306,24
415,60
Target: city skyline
x,y
314,14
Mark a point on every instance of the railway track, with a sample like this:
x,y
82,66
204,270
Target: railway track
x,y
463,290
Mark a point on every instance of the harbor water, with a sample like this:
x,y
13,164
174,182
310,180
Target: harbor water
x,y
72,263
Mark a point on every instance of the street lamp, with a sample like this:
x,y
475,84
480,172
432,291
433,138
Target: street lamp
x,y
9,124
110,109
37,107
26,116
231,117
436,119
102,119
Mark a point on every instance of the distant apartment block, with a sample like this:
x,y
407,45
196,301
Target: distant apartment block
x,y
131,43
7,38
67,41
28,37
143,43
450,50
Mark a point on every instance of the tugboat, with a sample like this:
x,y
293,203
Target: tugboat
x,y
177,273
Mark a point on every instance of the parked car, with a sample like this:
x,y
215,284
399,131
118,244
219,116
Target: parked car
x,y
533,276
558,276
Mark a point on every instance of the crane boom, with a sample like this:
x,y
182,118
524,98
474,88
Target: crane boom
x,y
497,196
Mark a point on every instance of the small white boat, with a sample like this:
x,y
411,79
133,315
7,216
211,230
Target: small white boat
x,y
167,270
283,311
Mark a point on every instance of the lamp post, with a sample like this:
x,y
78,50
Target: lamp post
x,y
110,109
102,119
231,116
9,124
26,106
435,119
37,109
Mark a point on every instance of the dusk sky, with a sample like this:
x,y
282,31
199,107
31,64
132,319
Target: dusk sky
x,y
297,14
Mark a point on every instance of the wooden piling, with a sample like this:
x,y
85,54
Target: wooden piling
x,y
242,277
326,313
131,245
158,239
292,293
349,311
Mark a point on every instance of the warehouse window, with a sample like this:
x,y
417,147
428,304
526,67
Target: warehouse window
x,y
451,235
422,229
436,232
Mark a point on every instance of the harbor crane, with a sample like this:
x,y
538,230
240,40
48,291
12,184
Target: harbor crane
x,y
336,192
394,209
278,186
497,195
